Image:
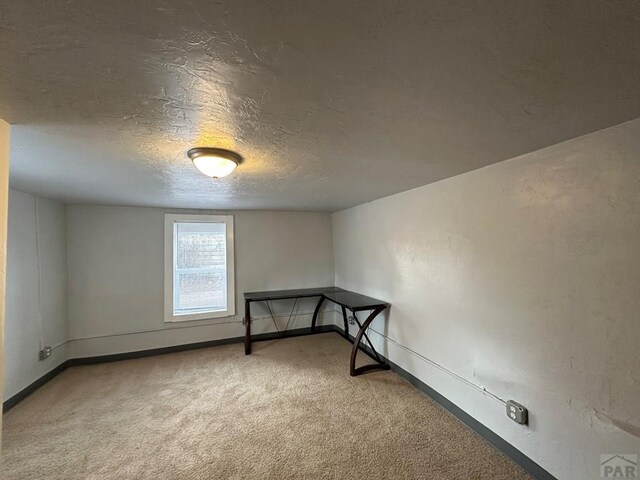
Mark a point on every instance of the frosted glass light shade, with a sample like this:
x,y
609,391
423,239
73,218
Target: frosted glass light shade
x,y
214,162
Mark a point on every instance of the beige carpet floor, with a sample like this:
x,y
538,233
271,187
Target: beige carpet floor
x,y
290,410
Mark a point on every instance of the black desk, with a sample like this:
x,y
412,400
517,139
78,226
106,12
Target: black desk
x,y
347,300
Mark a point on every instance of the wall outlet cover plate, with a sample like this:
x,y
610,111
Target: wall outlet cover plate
x,y
518,413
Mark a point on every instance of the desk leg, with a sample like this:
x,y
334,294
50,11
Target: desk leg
x,y
315,314
346,323
247,326
356,344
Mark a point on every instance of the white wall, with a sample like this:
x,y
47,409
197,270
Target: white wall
x,y
4,200
25,329
522,277
116,275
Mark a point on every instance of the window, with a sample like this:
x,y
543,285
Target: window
x,y
198,267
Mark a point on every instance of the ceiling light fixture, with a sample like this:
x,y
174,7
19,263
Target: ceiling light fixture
x,y
214,162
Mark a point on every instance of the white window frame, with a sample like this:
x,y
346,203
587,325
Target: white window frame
x,y
169,252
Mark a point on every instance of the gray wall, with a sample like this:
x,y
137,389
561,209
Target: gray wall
x,y
116,275
523,278
24,327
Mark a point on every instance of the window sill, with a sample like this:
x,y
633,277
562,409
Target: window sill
x,y
191,317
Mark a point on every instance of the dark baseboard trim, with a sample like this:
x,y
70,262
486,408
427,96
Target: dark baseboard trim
x,y
25,392
298,332
531,467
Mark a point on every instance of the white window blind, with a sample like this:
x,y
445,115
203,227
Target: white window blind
x,y
200,268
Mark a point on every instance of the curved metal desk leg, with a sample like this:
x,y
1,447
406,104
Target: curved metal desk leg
x,y
247,326
315,314
356,344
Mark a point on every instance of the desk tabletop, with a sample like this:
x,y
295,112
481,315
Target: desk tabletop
x,y
285,294
354,301
351,300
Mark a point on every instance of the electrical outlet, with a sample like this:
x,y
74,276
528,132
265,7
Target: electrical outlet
x,y
44,353
518,413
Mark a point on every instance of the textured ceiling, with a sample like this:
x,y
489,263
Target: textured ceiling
x,y
332,103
